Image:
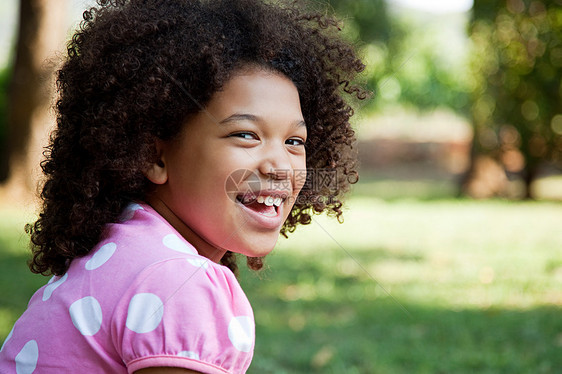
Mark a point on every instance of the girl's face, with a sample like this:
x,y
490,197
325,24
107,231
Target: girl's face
x,y
231,177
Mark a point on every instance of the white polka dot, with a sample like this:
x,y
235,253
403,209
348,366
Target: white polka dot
x,y
189,354
26,360
172,241
145,312
101,256
199,262
241,333
51,286
86,315
7,338
129,212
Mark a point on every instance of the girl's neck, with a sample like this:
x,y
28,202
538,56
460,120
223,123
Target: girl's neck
x,y
203,247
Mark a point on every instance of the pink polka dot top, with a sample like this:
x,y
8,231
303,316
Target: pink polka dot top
x,y
143,297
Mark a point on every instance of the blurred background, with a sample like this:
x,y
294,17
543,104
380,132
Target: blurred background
x,y
450,256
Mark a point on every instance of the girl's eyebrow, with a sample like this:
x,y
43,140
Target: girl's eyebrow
x,y
240,117
252,118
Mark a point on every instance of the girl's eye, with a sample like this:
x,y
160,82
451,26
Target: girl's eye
x,y
245,135
295,141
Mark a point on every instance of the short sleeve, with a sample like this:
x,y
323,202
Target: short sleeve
x,y
185,312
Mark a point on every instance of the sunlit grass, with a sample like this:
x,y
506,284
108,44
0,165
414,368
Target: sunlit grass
x,y
17,283
410,286
467,253
403,286
549,187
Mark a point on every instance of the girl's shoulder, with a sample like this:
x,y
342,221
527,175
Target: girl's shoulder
x,y
177,300
144,297
142,245
166,299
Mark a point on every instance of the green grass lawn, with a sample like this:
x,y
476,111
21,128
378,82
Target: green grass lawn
x,y
403,286
408,286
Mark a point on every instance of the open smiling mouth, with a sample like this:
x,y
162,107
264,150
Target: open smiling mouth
x,y
267,205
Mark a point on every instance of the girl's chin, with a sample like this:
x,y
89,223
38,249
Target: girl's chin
x,y
249,241
257,253
253,250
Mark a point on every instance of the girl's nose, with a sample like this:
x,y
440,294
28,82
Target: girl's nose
x,y
276,164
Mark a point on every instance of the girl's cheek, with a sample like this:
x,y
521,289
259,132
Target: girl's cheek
x,y
300,179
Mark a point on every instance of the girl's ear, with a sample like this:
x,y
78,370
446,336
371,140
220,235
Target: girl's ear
x,y
157,172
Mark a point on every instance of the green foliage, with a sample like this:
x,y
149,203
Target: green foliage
x,y
518,73
408,55
369,18
427,62
4,83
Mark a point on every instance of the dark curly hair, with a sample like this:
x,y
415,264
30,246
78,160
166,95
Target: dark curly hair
x,y
136,69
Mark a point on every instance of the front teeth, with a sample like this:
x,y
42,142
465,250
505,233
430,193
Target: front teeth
x,y
269,200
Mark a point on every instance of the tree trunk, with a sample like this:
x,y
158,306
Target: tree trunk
x,y
530,175
485,179
41,32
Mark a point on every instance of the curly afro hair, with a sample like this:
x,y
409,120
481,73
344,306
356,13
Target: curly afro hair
x,y
136,69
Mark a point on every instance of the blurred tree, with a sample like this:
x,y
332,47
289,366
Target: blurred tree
x,y
369,18
517,106
4,79
369,21
40,32
406,64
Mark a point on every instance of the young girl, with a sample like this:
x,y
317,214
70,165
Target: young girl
x,y
187,131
